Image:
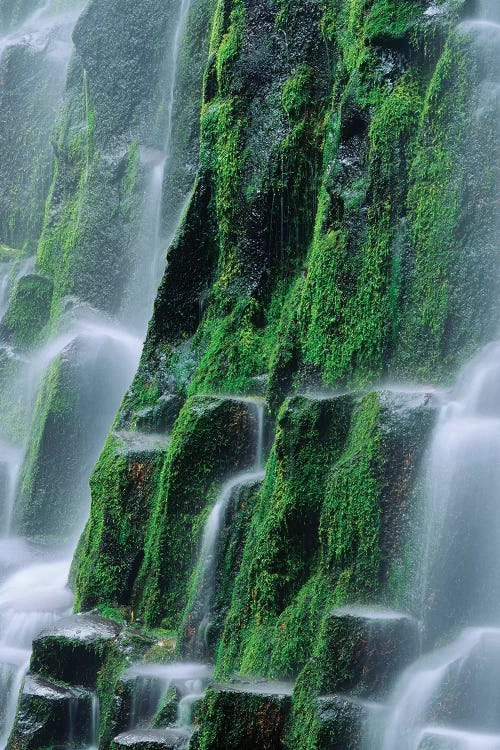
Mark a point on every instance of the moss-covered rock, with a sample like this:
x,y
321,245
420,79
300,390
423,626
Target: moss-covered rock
x,y
246,715
213,438
328,525
369,648
29,311
78,396
51,715
74,649
123,486
341,721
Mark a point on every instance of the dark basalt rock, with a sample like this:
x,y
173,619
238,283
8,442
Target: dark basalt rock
x,y
51,715
161,416
248,715
152,739
369,647
74,649
341,721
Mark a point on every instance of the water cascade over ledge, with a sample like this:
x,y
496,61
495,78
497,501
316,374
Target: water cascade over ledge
x,y
98,355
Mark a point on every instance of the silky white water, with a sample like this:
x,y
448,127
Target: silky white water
x,y
449,699
151,682
160,218
105,354
201,614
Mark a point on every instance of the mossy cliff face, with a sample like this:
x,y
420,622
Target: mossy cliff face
x,y
339,234
80,204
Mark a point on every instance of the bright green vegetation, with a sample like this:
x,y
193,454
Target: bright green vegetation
x,y
340,233
324,245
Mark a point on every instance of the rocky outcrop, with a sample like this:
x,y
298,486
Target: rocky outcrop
x,y
74,649
244,714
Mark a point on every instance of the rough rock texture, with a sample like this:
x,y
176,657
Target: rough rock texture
x,y
74,649
341,721
152,739
246,715
339,239
74,407
51,715
369,648
29,311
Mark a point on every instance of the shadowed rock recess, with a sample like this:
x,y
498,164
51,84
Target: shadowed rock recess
x,y
301,196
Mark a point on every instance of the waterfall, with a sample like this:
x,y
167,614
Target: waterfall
x,y
160,219
152,682
202,601
449,699
33,577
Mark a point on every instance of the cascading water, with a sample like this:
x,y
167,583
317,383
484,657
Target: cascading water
x,y
449,699
201,614
159,221
151,682
33,580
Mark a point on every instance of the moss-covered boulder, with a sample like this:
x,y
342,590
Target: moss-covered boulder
x,y
369,648
51,715
74,649
29,311
341,720
245,715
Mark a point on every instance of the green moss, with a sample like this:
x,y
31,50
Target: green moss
x,y
282,543
29,311
210,440
123,486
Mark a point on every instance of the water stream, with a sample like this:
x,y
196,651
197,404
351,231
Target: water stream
x,y
152,682
449,699
33,579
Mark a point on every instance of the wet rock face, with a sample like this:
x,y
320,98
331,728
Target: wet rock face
x,y
28,312
341,720
119,41
161,416
151,739
369,648
112,550
51,715
245,715
74,649
78,396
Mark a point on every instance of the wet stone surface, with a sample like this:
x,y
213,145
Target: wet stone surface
x,y
152,739
74,649
51,715
341,721
369,646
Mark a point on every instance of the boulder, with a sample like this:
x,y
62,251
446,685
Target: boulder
x,y
74,649
249,715
51,715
